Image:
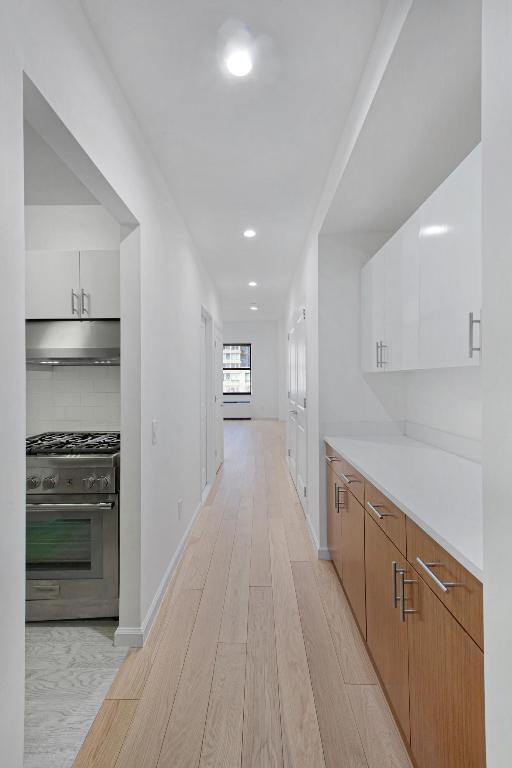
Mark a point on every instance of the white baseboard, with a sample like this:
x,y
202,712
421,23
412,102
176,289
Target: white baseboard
x,y
135,637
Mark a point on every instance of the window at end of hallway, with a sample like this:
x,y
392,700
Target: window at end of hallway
x,y
236,362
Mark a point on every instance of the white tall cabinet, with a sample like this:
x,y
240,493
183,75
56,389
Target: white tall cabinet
x,y
66,285
420,290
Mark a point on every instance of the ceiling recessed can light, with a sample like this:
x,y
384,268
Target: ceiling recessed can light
x,y
254,307
434,230
249,233
253,284
239,62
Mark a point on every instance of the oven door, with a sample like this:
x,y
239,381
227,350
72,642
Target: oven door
x,y
65,538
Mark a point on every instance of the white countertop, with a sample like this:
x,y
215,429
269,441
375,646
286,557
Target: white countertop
x,y
439,491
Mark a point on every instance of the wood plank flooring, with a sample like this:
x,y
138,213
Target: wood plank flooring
x,y
255,660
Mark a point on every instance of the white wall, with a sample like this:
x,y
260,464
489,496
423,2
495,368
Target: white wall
x,y
54,45
263,335
444,407
70,228
73,397
497,374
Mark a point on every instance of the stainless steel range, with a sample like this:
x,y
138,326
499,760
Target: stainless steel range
x,y
72,557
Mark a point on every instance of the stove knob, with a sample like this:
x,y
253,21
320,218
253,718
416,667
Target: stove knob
x,y
89,482
104,482
33,482
49,482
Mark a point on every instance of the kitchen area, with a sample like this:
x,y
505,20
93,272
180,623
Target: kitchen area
x,y
73,455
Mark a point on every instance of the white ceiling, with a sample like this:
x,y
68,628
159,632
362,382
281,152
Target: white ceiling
x,y
48,180
241,153
424,120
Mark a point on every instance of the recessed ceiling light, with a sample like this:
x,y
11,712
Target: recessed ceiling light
x,y
249,233
253,284
434,230
239,62
254,308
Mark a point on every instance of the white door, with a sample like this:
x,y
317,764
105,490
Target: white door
x,y
301,445
297,404
292,405
218,414
100,284
203,409
52,285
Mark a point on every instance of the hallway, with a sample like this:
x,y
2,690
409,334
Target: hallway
x,y
255,659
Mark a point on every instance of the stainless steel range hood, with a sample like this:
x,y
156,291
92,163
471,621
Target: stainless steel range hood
x,y
72,342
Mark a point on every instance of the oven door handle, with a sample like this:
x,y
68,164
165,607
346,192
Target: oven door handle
x,y
70,505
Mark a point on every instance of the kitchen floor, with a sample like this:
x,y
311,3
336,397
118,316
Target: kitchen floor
x,y
69,668
255,659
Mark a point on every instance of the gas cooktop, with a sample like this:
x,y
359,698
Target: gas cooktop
x,y
73,443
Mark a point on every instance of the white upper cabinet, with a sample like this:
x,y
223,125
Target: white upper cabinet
x,y
52,285
99,284
449,237
418,291
63,285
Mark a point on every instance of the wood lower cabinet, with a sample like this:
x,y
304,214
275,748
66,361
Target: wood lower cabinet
x,y
386,633
352,555
334,497
446,682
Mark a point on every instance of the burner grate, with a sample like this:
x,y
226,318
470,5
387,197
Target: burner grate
x,y
65,443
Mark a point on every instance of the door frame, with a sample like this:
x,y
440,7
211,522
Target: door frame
x,y
209,381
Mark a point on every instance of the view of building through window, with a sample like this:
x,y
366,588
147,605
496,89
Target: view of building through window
x,y
236,361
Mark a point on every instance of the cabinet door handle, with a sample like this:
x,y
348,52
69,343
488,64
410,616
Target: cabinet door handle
x,y
377,348
74,308
84,294
472,323
348,479
375,509
394,571
331,459
443,585
339,489
403,581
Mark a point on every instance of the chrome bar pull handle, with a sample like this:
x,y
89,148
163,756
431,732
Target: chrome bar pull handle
x,y
403,581
348,479
339,489
84,295
377,348
331,459
74,308
443,585
375,509
394,571
472,323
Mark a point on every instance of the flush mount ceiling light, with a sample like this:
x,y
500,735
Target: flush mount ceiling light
x,y
254,307
253,284
239,62
249,233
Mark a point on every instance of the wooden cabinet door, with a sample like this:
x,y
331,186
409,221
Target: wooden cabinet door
x,y
51,277
446,687
352,555
386,634
100,280
334,519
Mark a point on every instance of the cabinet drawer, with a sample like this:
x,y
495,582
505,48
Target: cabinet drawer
x,y
352,479
439,570
386,515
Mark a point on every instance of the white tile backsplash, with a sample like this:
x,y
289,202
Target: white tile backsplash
x,y
73,397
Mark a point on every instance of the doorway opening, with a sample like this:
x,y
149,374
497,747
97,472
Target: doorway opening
x,y
297,405
82,266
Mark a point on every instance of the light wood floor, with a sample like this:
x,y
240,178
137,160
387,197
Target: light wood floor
x,y
255,660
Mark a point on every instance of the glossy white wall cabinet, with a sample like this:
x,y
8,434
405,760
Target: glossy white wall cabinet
x,y
63,285
450,248
99,283
52,285
418,291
